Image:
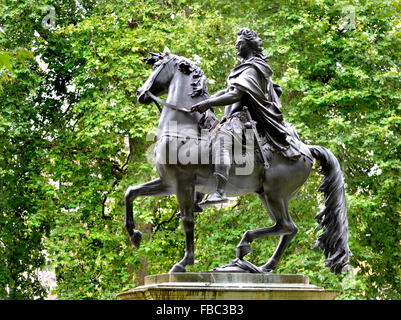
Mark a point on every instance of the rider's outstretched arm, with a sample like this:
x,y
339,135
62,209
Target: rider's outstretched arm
x,y
218,93
230,96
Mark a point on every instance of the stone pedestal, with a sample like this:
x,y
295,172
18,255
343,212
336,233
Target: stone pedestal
x,y
227,286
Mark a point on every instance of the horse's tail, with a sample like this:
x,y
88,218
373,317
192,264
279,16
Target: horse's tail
x,y
333,218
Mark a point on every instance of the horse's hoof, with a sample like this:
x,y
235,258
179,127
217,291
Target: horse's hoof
x,y
266,270
269,267
136,238
243,250
177,268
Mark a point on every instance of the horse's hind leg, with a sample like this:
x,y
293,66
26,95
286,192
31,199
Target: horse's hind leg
x,y
285,239
277,208
151,188
271,265
185,195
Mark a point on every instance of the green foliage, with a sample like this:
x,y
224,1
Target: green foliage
x,y
73,137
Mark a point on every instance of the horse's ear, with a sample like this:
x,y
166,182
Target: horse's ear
x,y
166,51
154,57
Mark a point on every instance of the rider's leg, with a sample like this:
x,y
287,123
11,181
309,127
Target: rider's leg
x,y
221,174
222,160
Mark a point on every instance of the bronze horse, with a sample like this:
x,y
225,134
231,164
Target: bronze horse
x,y
185,85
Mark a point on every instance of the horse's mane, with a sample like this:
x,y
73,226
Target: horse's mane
x,y
198,79
186,66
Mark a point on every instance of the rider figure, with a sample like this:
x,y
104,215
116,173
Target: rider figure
x,y
249,84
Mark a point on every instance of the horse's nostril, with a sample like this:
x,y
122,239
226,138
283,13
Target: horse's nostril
x,y
138,92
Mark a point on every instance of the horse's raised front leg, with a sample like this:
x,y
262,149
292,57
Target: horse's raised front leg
x,y
185,196
277,208
151,188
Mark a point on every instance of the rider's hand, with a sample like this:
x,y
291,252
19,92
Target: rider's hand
x,y
200,107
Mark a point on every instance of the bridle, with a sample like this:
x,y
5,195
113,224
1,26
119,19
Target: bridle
x,y
157,100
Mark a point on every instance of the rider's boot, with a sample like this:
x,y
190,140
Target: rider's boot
x,y
219,196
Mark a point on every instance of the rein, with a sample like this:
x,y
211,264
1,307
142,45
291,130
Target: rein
x,y
166,104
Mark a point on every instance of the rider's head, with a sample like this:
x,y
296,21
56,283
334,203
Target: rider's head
x,y
248,42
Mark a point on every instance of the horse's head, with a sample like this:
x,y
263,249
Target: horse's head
x,y
165,65
159,80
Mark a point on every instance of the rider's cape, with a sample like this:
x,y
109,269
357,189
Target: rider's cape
x,y
253,78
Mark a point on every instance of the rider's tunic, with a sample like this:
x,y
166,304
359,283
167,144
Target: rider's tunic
x,y
253,78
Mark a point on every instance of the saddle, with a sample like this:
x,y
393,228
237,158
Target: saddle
x,y
236,125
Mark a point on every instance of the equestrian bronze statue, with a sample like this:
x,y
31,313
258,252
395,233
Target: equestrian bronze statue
x,y
280,162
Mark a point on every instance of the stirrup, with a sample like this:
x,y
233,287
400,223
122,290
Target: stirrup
x,y
215,198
